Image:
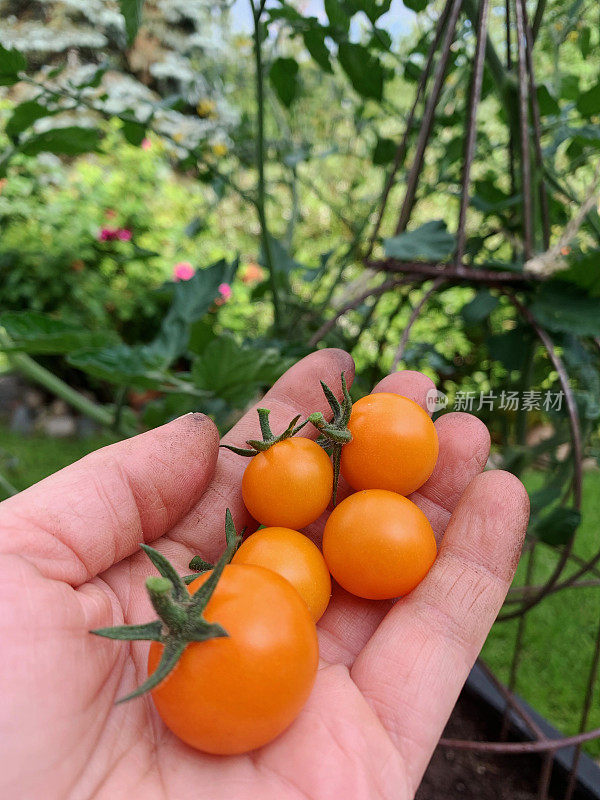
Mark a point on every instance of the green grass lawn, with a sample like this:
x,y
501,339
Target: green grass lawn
x,y
560,633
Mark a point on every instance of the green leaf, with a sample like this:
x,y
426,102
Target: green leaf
x,y
337,15
585,46
588,103
546,101
132,12
11,63
282,260
236,372
37,333
384,151
121,364
314,41
24,115
569,86
428,242
583,271
416,5
480,307
69,141
191,300
507,348
134,132
557,527
284,77
564,308
371,8
364,70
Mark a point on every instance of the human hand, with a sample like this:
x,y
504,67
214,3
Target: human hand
x,y
390,672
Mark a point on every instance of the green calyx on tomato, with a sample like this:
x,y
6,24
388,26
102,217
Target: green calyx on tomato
x,y
233,539
181,615
334,434
269,438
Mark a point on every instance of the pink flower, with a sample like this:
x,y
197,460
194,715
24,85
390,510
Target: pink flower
x,y
146,144
124,234
225,291
107,235
183,271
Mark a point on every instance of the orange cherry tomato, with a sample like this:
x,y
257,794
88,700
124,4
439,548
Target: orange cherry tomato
x,y
233,694
378,544
290,484
394,444
293,556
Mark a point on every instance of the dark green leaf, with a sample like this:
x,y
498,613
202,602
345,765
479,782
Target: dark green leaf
x,y
132,12
364,70
337,15
11,63
585,42
480,307
507,348
560,306
416,5
195,226
583,271
381,39
69,141
429,242
588,103
557,527
546,101
236,372
122,364
412,71
384,151
284,77
569,86
24,115
37,333
134,132
314,41
282,260
191,300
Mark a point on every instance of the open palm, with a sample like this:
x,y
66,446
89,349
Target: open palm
x,y
389,675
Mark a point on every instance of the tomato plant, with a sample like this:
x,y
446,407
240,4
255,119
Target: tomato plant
x,y
236,693
293,556
378,544
394,444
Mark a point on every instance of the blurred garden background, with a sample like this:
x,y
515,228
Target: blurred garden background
x,y
195,194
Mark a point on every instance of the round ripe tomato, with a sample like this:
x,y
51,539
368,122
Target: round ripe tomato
x,y
378,545
290,484
394,444
293,556
236,693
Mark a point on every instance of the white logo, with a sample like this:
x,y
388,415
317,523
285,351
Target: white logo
x,y
435,400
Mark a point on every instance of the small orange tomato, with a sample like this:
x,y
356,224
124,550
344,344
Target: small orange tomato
x,y
378,544
234,694
293,556
289,484
394,444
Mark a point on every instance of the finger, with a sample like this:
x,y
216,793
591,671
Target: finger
x,y
413,668
297,392
464,450
78,522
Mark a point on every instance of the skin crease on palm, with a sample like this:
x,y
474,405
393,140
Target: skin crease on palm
x,y
389,675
